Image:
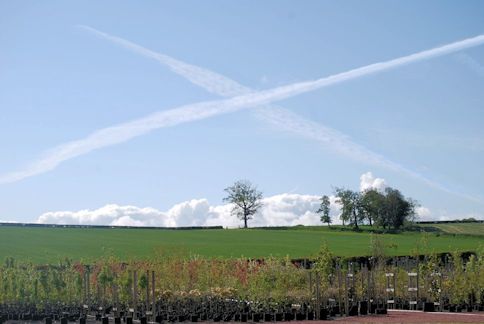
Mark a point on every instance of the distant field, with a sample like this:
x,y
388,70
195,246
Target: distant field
x,y
460,228
44,245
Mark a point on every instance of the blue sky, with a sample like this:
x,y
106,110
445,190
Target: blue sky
x,y
61,83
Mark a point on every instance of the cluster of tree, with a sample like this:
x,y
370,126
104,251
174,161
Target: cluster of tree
x,y
388,209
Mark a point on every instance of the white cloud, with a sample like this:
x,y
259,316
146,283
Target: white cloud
x,y
286,209
368,181
423,213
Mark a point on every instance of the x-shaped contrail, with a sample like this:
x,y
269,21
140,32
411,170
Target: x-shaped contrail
x,y
241,97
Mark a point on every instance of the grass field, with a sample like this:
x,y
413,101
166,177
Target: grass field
x,y
459,228
44,245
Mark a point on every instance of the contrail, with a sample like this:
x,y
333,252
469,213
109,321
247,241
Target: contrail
x,y
282,118
125,131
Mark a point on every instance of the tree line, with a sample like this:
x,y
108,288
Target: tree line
x,y
388,209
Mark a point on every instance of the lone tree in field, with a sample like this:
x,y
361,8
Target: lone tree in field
x,y
324,210
246,199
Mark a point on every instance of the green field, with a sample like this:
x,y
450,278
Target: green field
x,y
459,228
44,245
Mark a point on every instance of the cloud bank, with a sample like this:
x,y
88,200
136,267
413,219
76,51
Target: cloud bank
x,y
286,209
279,210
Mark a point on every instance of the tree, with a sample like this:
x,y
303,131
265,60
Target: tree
x,y
372,205
350,206
246,199
324,210
397,209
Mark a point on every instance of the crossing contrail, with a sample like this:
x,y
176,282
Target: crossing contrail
x,y
197,111
284,119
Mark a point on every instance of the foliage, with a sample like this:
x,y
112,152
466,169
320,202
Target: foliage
x,y
324,210
350,202
246,199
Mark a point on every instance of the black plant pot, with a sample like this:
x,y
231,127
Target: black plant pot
x,y
300,317
310,316
243,317
256,317
194,318
363,305
228,318
279,317
429,307
373,308
353,311
288,316
64,320
48,320
381,311
117,320
323,314
267,317
82,320
129,320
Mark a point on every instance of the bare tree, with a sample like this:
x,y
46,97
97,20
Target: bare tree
x,y
246,199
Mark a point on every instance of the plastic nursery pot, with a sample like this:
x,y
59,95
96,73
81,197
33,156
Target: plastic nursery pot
x,y
363,305
300,317
48,320
256,317
334,311
288,316
373,308
129,320
243,317
194,318
429,307
310,316
323,314
267,317
82,320
279,317
64,320
381,311
117,320
105,320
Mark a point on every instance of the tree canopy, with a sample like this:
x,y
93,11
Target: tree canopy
x,y
388,209
246,199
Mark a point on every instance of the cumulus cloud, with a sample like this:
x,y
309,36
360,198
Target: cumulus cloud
x,y
368,181
423,213
286,209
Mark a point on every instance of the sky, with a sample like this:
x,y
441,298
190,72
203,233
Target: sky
x,y
130,113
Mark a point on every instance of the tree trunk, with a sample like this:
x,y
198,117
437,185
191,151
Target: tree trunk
x,y
356,219
245,221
